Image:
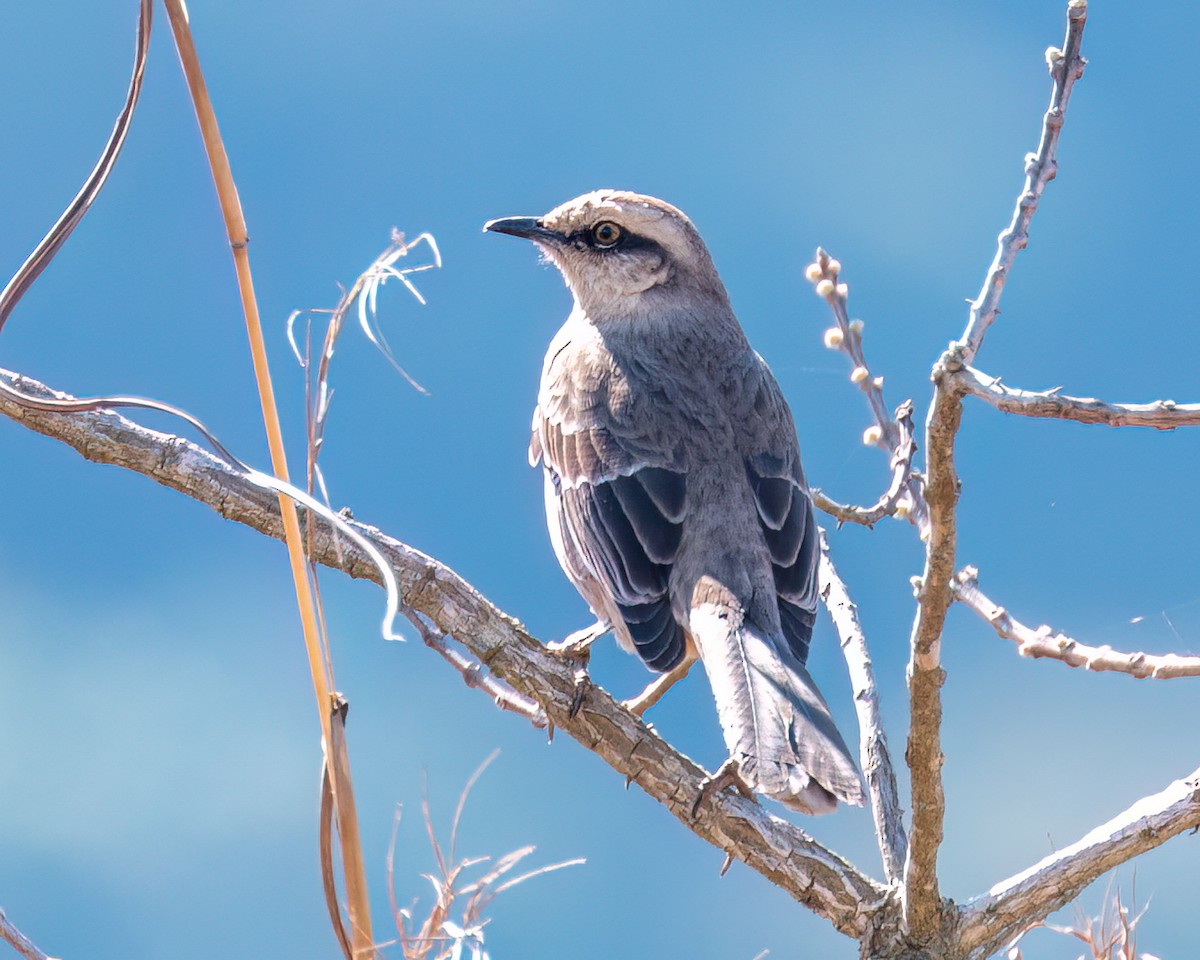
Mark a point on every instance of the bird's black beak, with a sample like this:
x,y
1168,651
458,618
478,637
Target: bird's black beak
x,y
528,227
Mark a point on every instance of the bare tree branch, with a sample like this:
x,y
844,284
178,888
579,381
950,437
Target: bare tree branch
x,y
995,918
18,941
781,852
1159,414
1066,66
874,755
923,909
1043,643
922,899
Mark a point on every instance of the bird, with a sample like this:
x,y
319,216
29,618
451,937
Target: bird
x,y
675,498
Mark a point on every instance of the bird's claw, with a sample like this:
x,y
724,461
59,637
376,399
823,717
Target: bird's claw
x,y
582,683
728,775
577,649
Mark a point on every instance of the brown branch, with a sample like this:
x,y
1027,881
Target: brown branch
x,y
1066,66
995,918
1043,643
1159,414
781,852
923,911
874,755
891,502
18,941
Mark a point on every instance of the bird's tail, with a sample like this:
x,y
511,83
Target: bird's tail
x,y
777,725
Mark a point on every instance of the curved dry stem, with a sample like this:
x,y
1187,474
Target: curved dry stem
x,y
18,941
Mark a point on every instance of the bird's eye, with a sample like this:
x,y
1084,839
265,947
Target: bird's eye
x,y
606,234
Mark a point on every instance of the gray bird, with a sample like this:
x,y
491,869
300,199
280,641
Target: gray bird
x,y
674,493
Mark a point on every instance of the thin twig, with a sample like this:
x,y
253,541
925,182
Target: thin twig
x,y
1066,66
996,917
891,503
907,499
18,941
791,859
874,755
1159,414
1044,643
476,676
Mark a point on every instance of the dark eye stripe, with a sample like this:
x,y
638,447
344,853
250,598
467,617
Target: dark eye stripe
x,y
583,239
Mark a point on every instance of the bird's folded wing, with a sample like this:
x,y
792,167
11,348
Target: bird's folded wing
x,y
784,508
620,519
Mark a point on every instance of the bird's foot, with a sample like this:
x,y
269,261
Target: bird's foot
x,y
577,649
578,646
728,775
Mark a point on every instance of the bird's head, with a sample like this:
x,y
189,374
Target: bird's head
x,y
622,254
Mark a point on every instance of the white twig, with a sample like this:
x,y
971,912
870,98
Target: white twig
x,y
993,919
1043,643
874,755
1159,414
1066,66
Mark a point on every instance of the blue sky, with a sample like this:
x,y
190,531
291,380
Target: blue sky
x,y
139,820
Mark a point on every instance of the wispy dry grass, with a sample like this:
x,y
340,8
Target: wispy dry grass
x,y
452,926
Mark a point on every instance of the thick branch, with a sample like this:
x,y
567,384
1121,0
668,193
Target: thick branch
x,y
1043,643
1160,414
1066,66
922,899
995,918
874,755
778,850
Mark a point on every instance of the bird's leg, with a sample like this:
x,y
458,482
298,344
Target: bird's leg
x,y
728,775
657,688
577,648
